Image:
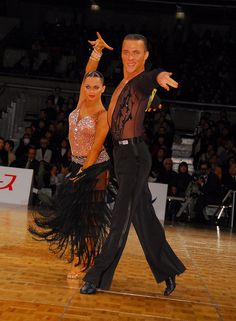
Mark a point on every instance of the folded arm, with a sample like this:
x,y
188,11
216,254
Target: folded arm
x,y
100,135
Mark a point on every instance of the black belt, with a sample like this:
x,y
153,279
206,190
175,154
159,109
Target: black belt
x,y
128,141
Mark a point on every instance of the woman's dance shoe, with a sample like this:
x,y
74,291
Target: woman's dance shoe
x,y
88,288
72,275
170,285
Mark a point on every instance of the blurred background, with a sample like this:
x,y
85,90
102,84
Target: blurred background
x,y
43,52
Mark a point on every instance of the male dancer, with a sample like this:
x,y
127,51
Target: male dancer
x,y
132,165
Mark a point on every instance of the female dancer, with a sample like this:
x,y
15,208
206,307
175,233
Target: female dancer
x,y
75,221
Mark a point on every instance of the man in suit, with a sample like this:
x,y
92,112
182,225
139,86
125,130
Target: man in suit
x,y
210,190
229,179
168,176
44,156
30,162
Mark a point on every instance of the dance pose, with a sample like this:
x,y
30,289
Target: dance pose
x,y
76,220
132,166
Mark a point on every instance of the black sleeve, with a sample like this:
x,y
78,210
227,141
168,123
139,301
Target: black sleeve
x,y
147,81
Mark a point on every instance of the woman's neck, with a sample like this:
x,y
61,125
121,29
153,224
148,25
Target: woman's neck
x,y
88,106
92,104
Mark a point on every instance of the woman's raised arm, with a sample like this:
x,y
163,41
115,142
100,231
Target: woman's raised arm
x,y
98,45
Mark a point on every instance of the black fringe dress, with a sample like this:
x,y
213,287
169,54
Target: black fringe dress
x,y
76,220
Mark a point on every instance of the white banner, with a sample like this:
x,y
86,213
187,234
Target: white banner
x,y
15,185
159,196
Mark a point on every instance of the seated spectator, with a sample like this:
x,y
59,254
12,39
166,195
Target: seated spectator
x,y
57,176
61,131
182,180
70,106
170,130
3,153
61,116
229,179
54,180
159,142
157,161
57,99
9,146
22,149
210,191
44,156
42,116
29,131
210,151
51,110
60,155
44,153
229,151
168,176
215,167
49,136
40,130
29,161
65,168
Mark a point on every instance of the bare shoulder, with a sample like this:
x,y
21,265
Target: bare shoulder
x,y
102,118
102,113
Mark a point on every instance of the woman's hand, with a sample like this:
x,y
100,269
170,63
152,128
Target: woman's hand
x,y
99,44
75,178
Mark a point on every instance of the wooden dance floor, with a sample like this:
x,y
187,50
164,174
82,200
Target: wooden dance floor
x,y
33,284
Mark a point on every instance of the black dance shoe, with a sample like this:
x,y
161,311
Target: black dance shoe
x,y
88,288
170,285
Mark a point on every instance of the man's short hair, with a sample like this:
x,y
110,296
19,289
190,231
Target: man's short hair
x,y
32,147
136,36
205,163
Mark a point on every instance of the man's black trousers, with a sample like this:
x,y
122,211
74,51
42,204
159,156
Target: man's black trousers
x,y
134,205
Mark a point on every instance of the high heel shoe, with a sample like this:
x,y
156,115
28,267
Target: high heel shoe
x,y
170,285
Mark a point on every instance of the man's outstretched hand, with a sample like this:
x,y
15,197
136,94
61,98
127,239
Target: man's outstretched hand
x,y
164,80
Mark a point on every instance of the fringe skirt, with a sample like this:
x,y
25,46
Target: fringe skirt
x,y
76,220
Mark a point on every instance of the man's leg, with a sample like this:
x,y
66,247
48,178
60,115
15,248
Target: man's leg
x,y
161,258
131,177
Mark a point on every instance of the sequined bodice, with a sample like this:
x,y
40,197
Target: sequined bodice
x,y
82,135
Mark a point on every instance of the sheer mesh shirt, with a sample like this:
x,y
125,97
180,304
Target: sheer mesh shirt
x,y
129,111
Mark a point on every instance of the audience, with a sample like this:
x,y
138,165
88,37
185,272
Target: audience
x,y
203,61
210,190
9,146
44,147
29,161
3,153
229,179
182,180
167,176
201,65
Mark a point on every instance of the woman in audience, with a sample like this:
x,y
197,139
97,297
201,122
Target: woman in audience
x,y
9,146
